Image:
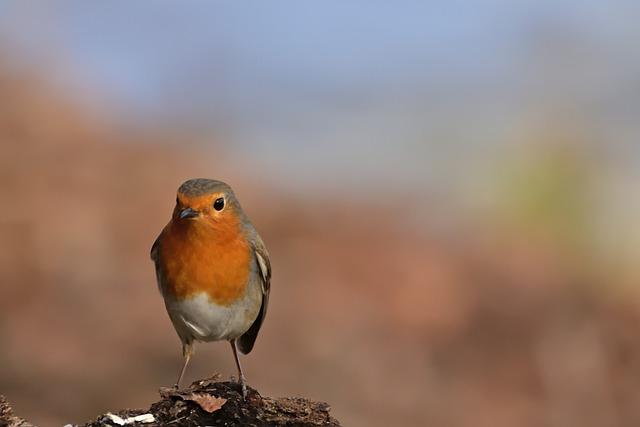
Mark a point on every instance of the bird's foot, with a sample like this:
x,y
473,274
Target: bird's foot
x,y
243,384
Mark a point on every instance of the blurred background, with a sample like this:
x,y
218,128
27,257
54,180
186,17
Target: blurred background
x,y
448,191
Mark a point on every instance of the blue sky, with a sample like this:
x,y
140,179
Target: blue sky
x,y
143,50
389,79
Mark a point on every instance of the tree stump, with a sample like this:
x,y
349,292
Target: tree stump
x,y
207,402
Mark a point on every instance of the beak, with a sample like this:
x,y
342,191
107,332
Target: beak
x,y
188,213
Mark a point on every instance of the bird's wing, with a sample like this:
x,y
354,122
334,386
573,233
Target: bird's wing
x,y
246,341
156,260
154,250
264,265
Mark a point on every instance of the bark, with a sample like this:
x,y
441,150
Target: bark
x,y
207,403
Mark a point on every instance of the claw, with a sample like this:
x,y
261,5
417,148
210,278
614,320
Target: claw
x,y
244,389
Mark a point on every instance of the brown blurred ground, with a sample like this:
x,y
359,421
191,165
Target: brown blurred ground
x,y
494,325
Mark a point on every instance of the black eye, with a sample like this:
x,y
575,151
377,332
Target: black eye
x,y
218,204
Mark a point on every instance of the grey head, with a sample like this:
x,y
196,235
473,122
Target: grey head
x,y
200,186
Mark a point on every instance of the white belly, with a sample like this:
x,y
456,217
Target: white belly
x,y
197,318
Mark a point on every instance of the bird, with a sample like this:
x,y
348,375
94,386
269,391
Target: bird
x,y
213,271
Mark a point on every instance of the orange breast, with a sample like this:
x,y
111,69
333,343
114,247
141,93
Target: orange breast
x,y
196,257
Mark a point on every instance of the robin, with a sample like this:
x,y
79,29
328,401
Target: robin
x,y
213,270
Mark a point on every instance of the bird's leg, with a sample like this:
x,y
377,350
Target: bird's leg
x,y
187,351
240,373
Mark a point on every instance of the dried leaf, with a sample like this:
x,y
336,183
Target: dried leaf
x,y
206,401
